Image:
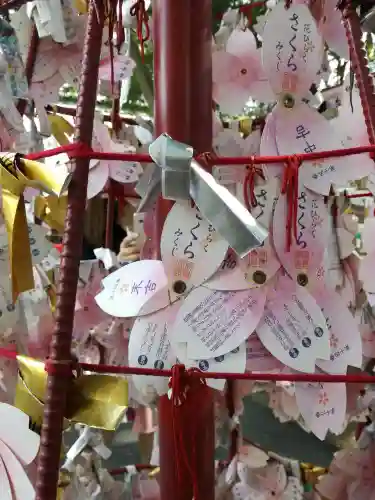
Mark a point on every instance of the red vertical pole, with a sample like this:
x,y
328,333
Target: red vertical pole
x,y
182,72
202,418
201,75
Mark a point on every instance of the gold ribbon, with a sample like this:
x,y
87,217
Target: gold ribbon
x,y
61,129
95,400
312,473
52,211
17,174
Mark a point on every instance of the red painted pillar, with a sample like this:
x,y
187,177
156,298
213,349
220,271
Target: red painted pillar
x,y
201,75
182,72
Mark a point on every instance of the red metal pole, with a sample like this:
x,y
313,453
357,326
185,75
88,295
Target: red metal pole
x,y
182,72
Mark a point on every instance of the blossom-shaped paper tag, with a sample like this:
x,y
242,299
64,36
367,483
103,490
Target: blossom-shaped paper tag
x,y
323,406
292,49
305,257
344,336
191,249
17,449
237,73
229,318
149,347
293,327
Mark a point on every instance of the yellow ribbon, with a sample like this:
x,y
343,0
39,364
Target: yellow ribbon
x,y
61,129
95,400
52,211
17,174
81,6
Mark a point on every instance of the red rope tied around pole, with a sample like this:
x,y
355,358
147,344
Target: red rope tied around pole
x,y
184,394
289,187
139,11
249,185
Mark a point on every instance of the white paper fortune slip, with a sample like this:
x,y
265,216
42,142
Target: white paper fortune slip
x,y
137,289
292,49
149,347
322,406
305,257
213,323
293,327
344,334
191,250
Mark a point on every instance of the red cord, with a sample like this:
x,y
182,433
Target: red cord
x,y
249,185
139,11
289,187
275,377
78,150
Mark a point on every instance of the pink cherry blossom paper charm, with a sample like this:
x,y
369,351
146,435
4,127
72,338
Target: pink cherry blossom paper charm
x,y
323,406
304,259
344,336
17,449
301,129
191,250
238,74
150,347
139,288
293,327
292,49
213,323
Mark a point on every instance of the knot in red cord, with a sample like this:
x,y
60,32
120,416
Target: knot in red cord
x,y
60,368
139,11
289,187
249,185
178,385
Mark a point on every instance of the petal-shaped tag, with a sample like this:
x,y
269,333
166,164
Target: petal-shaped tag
x,y
301,129
98,176
344,336
366,272
40,247
124,172
294,490
258,359
149,347
368,231
332,29
5,488
191,250
252,456
214,323
322,406
293,327
21,486
268,147
137,289
261,264
24,443
292,49
307,250
123,67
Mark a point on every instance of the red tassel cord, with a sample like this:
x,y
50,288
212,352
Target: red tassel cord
x,y
289,187
249,185
185,392
139,11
